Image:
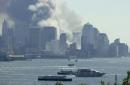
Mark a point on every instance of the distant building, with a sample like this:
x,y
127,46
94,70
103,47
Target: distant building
x,y
63,43
118,49
5,34
1,42
20,34
58,47
47,35
53,47
103,45
7,37
33,40
77,39
89,40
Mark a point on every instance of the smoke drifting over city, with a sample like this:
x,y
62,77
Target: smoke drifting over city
x,y
42,13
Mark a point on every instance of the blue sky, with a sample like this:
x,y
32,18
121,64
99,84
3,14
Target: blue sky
x,y
109,16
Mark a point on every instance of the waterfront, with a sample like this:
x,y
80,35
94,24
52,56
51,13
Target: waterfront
x,y
26,72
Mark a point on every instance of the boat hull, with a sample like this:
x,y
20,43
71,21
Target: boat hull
x,y
46,78
90,75
55,79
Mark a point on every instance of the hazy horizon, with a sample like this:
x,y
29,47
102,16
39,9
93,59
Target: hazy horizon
x,y
110,17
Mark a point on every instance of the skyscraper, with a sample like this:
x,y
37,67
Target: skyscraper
x,y
103,44
33,40
20,34
118,49
89,39
77,39
63,43
47,35
7,36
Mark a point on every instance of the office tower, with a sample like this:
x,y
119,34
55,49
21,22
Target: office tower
x,y
7,36
118,49
47,35
77,39
89,40
103,45
63,43
33,40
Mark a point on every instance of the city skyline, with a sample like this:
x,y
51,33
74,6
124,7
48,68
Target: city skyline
x,y
45,42
108,16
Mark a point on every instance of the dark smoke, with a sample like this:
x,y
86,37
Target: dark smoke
x,y
42,13
18,10
3,4
43,10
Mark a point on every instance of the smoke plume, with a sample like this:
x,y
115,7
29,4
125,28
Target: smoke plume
x,y
3,4
42,13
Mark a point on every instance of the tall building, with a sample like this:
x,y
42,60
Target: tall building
x,y
47,35
89,40
1,42
5,34
20,34
7,37
118,49
77,39
103,45
53,47
63,43
63,38
33,40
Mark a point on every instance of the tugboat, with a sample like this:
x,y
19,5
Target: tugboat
x,y
88,73
54,78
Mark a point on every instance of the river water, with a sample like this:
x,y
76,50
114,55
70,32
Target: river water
x,y
26,72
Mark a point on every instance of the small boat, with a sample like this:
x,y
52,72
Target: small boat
x,y
71,64
76,60
88,73
54,78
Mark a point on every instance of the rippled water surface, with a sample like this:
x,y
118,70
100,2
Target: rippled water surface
x,y
26,72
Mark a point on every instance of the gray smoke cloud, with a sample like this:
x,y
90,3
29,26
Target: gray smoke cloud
x,y
18,10
3,4
42,10
42,13
68,19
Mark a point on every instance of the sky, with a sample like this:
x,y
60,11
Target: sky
x,y
109,16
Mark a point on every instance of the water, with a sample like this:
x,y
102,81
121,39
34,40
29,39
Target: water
x,y
26,72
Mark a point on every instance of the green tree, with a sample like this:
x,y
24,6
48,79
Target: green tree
x,y
102,83
82,84
58,83
126,80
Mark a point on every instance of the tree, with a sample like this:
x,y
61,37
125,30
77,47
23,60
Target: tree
x,y
102,83
126,80
58,83
82,84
